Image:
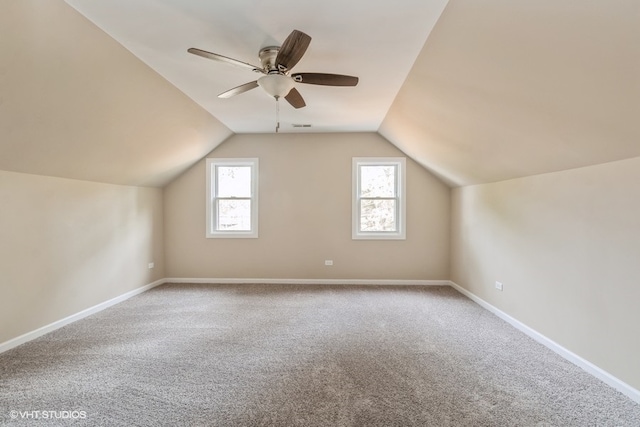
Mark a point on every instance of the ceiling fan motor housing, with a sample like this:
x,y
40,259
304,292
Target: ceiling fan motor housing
x,y
268,57
275,83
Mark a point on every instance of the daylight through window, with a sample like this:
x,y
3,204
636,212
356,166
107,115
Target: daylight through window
x,y
232,198
378,202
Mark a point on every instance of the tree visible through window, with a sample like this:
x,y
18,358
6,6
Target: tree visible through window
x,y
232,198
378,198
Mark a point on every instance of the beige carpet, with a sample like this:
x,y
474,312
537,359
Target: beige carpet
x,y
287,355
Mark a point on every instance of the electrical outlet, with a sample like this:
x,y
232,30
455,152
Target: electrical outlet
x,y
151,265
499,286
328,262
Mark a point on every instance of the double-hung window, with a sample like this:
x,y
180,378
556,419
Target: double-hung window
x,y
379,198
232,198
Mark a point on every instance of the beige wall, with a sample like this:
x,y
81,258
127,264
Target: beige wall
x,y
75,104
566,247
305,216
67,245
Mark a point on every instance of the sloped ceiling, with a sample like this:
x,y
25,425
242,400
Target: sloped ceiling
x,y
75,104
501,89
505,89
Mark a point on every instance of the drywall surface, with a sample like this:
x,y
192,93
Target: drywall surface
x,y
566,247
68,245
74,103
505,89
305,216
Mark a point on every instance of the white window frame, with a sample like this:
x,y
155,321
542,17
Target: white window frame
x,y
400,181
211,215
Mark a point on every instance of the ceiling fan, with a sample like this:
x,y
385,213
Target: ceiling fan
x,y
277,62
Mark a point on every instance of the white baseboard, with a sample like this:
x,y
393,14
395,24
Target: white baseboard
x,y
308,281
14,342
589,367
8,345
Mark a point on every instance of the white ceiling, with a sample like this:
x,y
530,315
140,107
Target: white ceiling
x,y
376,41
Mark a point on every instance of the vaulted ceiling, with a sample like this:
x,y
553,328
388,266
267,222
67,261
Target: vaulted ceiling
x,y
475,91
376,41
505,89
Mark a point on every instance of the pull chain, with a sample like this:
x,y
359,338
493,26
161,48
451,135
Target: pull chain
x,y
277,113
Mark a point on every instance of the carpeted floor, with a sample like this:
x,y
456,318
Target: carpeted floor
x,y
288,355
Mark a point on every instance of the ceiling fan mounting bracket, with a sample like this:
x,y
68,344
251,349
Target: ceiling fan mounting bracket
x,y
268,57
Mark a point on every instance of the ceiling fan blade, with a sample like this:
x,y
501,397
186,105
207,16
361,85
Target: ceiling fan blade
x,y
222,58
291,51
295,99
239,89
325,79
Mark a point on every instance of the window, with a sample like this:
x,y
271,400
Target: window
x,y
232,198
378,198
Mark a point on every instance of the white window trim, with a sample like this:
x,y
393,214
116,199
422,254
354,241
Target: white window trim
x,y
400,233
211,231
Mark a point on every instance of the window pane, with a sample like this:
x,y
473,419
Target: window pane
x,y
377,215
234,215
378,181
234,181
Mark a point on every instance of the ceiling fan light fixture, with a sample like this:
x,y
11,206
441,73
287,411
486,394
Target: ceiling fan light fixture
x,y
276,85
